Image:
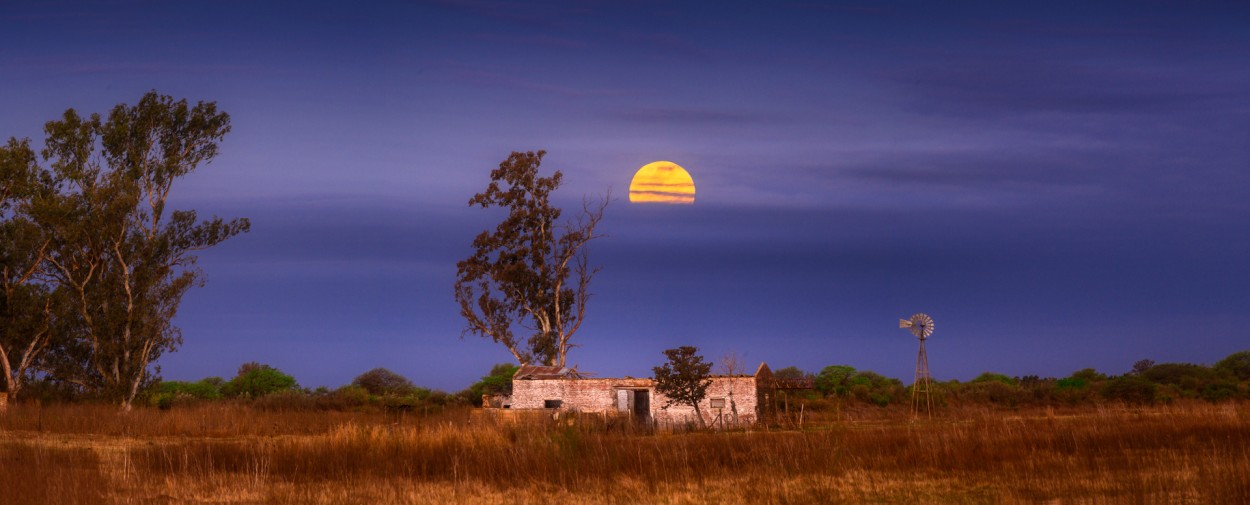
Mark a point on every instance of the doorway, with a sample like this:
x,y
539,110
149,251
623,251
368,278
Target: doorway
x,y
642,405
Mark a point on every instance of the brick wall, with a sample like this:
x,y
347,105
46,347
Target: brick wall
x,y
603,396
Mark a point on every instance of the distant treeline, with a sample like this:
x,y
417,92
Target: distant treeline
x,y
1147,383
265,386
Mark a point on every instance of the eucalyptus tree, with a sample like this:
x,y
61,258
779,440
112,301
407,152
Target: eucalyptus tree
x,y
531,274
26,301
124,258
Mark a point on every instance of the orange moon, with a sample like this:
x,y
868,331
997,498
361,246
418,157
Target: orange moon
x,y
662,182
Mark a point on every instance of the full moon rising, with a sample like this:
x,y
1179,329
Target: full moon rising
x,y
662,182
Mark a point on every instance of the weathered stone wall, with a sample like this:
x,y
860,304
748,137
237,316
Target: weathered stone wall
x,y
583,395
741,390
601,396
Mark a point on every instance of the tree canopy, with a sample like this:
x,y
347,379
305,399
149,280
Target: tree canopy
x,y
684,379
97,228
530,275
381,381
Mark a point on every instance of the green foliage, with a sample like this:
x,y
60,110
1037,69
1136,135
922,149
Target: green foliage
x,y
1089,375
498,381
1184,379
835,380
792,373
1236,364
684,379
381,381
995,377
993,390
1219,391
166,394
874,388
1140,366
202,390
1072,383
255,380
111,243
30,308
1130,389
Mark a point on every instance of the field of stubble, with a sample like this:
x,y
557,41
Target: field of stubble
x,y
231,453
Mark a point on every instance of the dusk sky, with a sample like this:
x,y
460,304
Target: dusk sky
x,y
1060,186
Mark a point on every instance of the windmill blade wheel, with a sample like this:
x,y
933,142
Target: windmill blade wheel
x,y
921,325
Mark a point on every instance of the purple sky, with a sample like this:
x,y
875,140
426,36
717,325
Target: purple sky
x,y
1059,187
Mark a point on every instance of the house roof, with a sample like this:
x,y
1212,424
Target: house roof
x,y
542,372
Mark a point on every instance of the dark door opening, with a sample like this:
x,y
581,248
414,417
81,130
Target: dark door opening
x,y
642,405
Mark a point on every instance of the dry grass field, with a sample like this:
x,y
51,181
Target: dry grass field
x,y
230,453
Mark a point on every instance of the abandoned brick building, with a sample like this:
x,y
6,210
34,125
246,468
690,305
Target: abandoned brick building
x,y
730,400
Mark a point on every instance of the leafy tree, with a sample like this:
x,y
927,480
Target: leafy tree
x,y
1140,366
1089,375
255,380
835,380
381,381
793,373
1219,391
1237,364
995,377
26,302
124,259
684,379
498,381
1186,377
167,393
531,273
1130,389
869,386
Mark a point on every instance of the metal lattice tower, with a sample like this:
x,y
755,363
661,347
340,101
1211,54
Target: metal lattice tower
x,y
921,325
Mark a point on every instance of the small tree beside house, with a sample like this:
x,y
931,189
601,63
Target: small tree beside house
x,y
684,379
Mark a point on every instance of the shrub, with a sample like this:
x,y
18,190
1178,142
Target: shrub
x,y
835,380
381,381
995,377
992,391
871,387
1188,378
1089,375
1219,391
499,381
1130,389
1237,364
256,380
792,373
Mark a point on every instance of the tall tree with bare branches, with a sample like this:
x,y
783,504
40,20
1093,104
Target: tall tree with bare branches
x,y
527,282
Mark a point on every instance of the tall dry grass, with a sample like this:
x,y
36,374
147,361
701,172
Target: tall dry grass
x,y
1194,453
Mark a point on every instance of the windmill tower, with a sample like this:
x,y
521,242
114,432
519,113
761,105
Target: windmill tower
x,y
921,325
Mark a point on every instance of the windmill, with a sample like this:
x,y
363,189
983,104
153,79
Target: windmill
x,y
921,325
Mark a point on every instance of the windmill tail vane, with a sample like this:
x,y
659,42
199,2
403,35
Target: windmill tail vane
x,y
903,323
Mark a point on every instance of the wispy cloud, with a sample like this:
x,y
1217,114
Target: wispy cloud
x,y
487,78
691,115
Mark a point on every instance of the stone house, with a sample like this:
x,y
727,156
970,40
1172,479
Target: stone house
x,y
730,401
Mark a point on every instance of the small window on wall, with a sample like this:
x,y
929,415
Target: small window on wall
x,y
718,403
552,404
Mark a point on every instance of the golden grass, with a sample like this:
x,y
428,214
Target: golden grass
x,y
223,453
